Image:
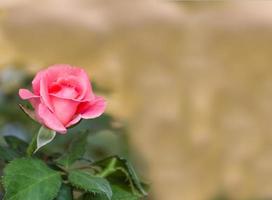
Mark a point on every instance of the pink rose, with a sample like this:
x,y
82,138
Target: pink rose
x,y
62,95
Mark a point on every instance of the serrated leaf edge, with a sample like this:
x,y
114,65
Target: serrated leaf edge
x,y
54,193
78,186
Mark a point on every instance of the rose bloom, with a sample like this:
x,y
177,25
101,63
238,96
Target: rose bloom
x,y
62,95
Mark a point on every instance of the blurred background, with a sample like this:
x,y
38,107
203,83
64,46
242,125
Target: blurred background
x,y
188,84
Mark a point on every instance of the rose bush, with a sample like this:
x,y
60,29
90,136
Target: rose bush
x,y
62,95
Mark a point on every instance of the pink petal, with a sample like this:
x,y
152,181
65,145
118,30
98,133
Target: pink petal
x,y
74,121
26,94
54,72
92,109
44,93
49,119
36,82
64,109
75,100
67,93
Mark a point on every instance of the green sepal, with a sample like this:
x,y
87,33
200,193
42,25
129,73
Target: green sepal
x,y
42,138
28,112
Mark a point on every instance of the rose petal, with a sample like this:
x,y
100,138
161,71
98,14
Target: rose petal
x,y
54,72
92,109
26,94
67,93
36,82
49,119
75,100
64,109
74,121
44,93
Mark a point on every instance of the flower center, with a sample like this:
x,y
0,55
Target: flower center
x,y
65,88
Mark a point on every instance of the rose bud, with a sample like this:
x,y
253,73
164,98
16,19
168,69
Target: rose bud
x,y
62,95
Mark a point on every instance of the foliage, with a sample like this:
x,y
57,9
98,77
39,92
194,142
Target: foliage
x,y
27,178
77,166
45,178
76,151
93,184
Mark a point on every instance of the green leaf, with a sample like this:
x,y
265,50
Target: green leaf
x,y
123,170
75,151
30,179
16,143
7,154
65,193
119,193
89,196
86,196
92,184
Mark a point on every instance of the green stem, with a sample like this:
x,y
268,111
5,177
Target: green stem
x,y
32,145
109,169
